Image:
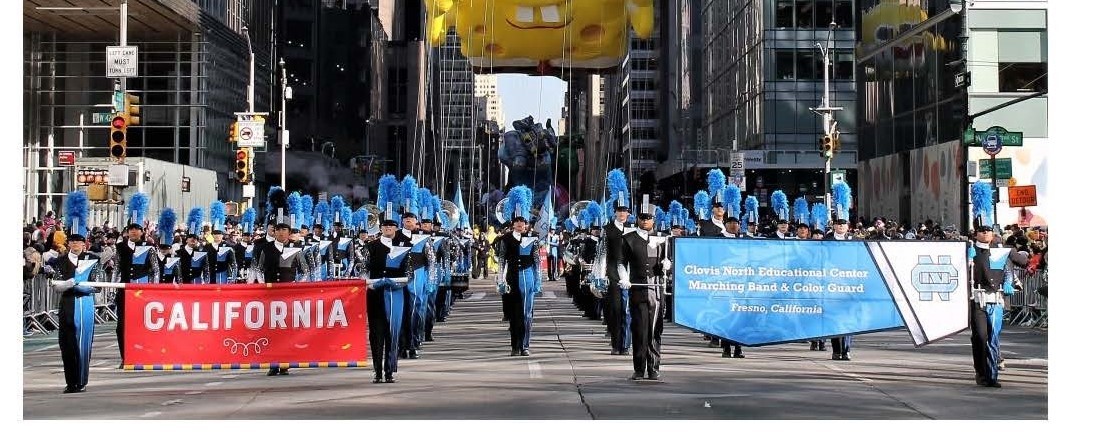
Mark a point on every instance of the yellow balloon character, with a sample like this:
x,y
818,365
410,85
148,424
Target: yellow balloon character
x,y
539,36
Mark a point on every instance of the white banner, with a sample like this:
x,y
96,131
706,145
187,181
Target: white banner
x,y
929,285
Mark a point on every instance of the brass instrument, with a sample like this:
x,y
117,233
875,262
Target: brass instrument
x,y
452,211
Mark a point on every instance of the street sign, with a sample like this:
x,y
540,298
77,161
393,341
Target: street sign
x,y
1008,138
992,144
1022,196
102,118
737,169
66,158
1004,168
962,79
836,177
1001,183
118,175
122,61
250,133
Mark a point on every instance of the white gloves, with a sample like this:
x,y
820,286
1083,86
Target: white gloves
x,y
60,286
624,284
666,265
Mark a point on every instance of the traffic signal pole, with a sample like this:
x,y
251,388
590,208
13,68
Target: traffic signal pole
x,y
829,125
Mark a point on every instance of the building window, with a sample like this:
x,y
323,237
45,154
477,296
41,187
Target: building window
x,y
805,61
804,14
784,64
784,14
843,13
1023,77
823,13
844,65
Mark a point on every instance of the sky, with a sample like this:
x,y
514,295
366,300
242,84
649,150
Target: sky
x,y
524,95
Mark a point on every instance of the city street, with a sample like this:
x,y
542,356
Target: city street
x,y
466,373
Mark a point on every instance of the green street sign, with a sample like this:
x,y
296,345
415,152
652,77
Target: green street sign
x,y
976,138
102,118
1004,168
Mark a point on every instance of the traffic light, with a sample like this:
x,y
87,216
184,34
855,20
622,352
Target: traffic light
x,y
132,111
118,136
232,132
826,142
243,168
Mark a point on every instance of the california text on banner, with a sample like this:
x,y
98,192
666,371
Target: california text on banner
x,y
213,326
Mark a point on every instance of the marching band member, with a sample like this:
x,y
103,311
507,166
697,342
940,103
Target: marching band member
x,y
280,261
644,259
420,258
169,265
221,259
615,300
520,257
426,302
76,309
716,183
193,268
135,260
387,257
842,196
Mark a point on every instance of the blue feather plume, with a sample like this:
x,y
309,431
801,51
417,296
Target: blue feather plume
x,y
593,214
981,196
346,215
166,225
660,218
248,219
701,203
294,210
801,210
519,202
689,224
608,212
745,222
137,207
76,212
437,210
194,220
731,198
275,197
424,196
360,218
305,207
819,215
752,208
675,209
569,224
780,204
616,183
319,211
842,197
715,181
410,193
339,206
217,215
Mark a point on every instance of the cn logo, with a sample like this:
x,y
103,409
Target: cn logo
x,y
940,278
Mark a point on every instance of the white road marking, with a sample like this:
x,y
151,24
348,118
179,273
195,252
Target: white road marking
x,y
171,402
477,296
214,383
534,369
549,294
192,393
150,414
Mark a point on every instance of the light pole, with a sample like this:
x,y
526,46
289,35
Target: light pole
x,y
826,111
284,134
251,106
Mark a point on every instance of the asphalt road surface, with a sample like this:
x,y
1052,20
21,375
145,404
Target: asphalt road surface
x,y
467,373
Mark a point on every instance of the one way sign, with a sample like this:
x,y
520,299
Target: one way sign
x,y
122,61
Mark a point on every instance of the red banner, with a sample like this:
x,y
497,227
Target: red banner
x,y
242,326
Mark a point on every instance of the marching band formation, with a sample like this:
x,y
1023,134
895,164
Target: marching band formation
x,y
415,251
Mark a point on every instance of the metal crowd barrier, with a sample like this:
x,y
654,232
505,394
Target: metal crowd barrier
x,y
40,306
1028,307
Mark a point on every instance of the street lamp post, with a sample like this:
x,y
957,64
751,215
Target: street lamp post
x,y
251,101
284,134
826,110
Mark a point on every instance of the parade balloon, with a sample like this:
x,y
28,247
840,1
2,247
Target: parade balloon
x,y
538,37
